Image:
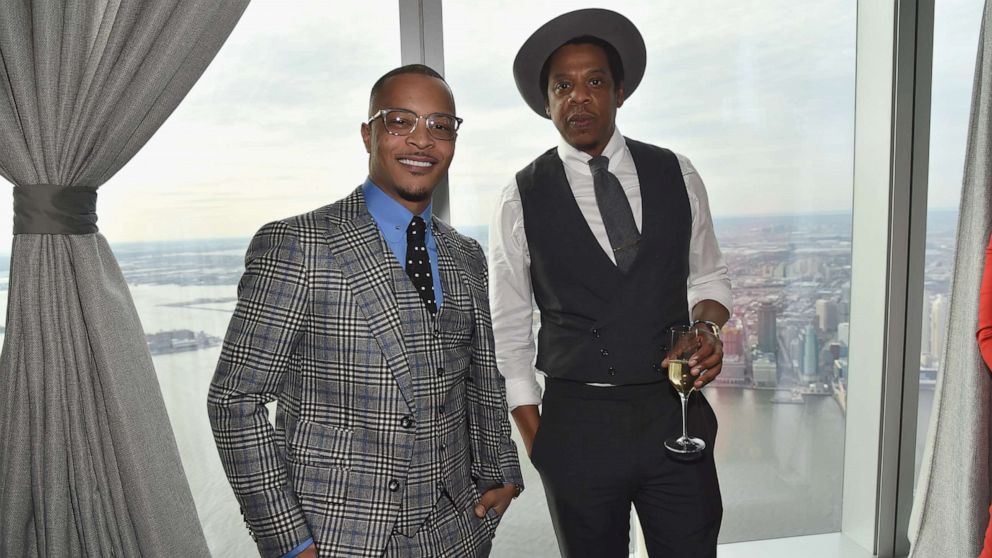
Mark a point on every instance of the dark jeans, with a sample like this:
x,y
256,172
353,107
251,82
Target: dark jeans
x,y
599,450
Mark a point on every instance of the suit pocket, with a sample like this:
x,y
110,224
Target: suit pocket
x,y
490,520
702,419
316,486
533,443
320,445
319,458
456,325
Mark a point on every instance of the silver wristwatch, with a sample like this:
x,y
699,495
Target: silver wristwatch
x,y
711,326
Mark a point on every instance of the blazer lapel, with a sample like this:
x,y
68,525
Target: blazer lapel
x,y
455,311
358,251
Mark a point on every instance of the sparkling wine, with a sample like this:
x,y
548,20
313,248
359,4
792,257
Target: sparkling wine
x,y
679,376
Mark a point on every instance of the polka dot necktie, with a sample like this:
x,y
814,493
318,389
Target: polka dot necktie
x,y
418,262
617,215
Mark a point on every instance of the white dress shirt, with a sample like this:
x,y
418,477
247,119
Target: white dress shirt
x,y
511,293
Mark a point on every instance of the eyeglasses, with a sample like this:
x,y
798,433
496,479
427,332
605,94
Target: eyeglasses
x,y
402,122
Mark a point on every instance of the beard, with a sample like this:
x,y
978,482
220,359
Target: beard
x,y
414,194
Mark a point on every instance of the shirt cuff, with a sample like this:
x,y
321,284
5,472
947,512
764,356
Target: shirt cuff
x,y
719,293
522,391
298,550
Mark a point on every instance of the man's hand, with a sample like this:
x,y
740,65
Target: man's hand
x,y
528,420
310,552
707,361
495,498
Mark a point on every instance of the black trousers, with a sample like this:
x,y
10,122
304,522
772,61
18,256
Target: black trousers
x,y
599,450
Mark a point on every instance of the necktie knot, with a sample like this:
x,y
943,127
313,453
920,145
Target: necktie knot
x,y
599,163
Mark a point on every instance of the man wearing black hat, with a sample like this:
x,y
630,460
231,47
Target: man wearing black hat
x,y
614,241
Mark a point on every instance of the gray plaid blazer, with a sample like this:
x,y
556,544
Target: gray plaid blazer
x,y
317,329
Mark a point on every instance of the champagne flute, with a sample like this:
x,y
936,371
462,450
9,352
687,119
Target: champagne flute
x,y
684,342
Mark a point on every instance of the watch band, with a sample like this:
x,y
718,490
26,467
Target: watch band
x,y
712,326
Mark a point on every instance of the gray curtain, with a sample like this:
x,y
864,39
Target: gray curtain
x,y
88,462
951,504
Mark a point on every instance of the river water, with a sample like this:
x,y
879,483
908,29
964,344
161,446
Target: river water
x,y
780,465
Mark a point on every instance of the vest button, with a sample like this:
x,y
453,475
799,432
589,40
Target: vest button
x,y
406,422
595,332
440,409
604,352
613,371
443,447
440,371
394,485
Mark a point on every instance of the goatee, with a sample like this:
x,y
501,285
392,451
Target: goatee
x,y
414,195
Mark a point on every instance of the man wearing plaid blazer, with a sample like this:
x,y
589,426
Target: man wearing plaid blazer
x,y
368,321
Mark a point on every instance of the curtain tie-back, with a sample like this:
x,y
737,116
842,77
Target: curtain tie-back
x,y
50,209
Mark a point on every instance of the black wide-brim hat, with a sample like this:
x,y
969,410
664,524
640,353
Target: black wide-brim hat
x,y
596,22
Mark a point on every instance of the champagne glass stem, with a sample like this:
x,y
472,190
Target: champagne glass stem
x,y
685,435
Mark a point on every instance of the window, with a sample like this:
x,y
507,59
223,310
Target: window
x,y
955,44
760,97
762,100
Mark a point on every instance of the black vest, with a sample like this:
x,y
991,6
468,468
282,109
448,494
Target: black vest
x,y
597,324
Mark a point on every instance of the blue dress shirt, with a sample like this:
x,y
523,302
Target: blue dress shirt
x,y
393,220
299,550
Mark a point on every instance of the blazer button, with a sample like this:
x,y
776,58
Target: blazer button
x,y
394,485
406,422
604,352
595,333
613,371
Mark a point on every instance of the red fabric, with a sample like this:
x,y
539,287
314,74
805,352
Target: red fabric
x,y
985,345
987,549
985,309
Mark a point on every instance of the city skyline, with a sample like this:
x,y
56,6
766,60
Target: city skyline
x,y
184,292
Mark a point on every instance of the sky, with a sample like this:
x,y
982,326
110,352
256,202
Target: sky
x,y
759,95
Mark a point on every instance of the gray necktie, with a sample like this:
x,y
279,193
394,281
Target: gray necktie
x,y
616,212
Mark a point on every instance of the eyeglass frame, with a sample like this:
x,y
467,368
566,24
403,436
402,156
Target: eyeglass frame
x,y
381,113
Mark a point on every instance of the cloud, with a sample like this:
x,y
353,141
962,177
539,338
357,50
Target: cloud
x,y
759,94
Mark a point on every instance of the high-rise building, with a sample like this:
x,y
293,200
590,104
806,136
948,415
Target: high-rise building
x,y
938,325
925,348
827,314
810,353
765,372
795,345
844,333
767,330
734,370
733,338
836,350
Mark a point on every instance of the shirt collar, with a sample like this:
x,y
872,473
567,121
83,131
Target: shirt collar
x,y
578,161
389,214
